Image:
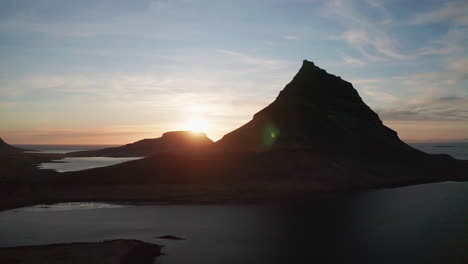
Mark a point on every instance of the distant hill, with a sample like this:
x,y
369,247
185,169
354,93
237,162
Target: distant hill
x,y
170,141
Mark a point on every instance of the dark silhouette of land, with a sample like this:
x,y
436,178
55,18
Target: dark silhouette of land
x,y
317,136
176,141
6,148
319,112
120,251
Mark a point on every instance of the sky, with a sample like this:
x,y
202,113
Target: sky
x,y
114,72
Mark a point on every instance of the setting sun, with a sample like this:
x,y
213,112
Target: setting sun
x,y
196,124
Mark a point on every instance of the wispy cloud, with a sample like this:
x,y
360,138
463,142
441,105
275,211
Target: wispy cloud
x,y
449,108
254,60
459,69
455,11
369,38
385,14
291,37
353,61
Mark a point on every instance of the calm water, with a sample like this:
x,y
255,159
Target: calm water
x,y
61,149
74,164
83,163
417,224
458,150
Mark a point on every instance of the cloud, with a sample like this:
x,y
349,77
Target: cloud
x,y
353,61
379,95
448,108
451,76
386,17
365,81
254,60
459,69
96,135
454,11
365,35
451,46
373,43
291,37
372,36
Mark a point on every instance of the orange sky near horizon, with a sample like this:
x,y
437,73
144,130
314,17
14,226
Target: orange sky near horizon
x,y
408,131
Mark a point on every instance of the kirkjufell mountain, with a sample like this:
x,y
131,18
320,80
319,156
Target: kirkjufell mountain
x,y
317,133
316,111
169,142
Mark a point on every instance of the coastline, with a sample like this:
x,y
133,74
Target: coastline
x,y
125,251
236,197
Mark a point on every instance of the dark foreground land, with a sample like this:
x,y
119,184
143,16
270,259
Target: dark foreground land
x,y
106,252
212,178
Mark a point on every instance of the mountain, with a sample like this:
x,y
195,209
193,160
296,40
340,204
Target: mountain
x,y
317,111
170,141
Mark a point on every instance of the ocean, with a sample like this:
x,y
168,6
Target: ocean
x,y
458,150
415,224
61,149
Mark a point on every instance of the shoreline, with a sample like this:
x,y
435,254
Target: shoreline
x,y
266,198
124,251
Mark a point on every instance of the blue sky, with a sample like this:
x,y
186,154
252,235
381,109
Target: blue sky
x,y
118,71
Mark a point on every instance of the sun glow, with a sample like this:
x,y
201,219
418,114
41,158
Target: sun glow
x,y
196,124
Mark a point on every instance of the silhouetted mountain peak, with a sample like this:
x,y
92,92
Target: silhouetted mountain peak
x,y
316,109
314,87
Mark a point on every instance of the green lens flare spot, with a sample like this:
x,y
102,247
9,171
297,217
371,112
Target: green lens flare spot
x,y
270,134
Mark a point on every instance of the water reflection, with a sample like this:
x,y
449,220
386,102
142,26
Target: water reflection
x,y
83,163
417,224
